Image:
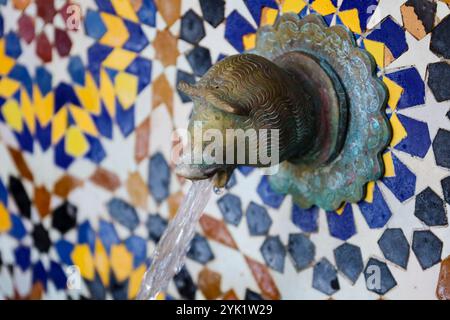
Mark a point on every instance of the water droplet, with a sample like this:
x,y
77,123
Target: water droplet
x,y
218,190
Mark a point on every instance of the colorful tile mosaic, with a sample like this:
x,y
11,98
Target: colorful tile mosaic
x,y
88,103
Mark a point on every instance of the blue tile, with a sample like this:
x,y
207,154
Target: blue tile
x,y
444,182
76,70
274,253
341,226
137,40
438,78
199,59
138,247
96,54
236,28
251,295
325,277
119,290
192,29
258,220
142,68
305,219
156,226
395,247
413,87
3,193
200,250
430,208
379,278
105,5
403,185
376,213
125,119
391,34
147,13
12,45
427,248
188,78
64,249
43,135
20,73
231,182
418,141
2,23
23,257
25,139
18,230
108,234
268,195
64,94
349,261
302,250
96,152
57,275
255,7
86,235
44,80
96,288
159,177
245,170
123,213
39,274
213,11
365,10
441,148
103,122
94,25
231,208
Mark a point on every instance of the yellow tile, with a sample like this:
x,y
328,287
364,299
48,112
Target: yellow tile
x,y
28,111
5,219
160,296
107,93
369,192
76,143
292,6
119,59
126,86
389,169
8,87
377,50
249,41
395,92
101,262
340,210
43,106
13,116
125,10
59,125
6,63
83,120
82,257
398,131
351,19
324,7
89,95
121,262
268,16
135,281
116,34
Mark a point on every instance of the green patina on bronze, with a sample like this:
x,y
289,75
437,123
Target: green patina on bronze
x,y
313,84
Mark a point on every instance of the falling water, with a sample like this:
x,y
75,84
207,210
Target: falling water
x,y
171,250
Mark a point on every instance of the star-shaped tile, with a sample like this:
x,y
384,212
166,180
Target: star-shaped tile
x,y
216,36
386,8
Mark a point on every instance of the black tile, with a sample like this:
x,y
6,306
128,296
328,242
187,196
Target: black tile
x,y
159,177
395,247
119,290
379,278
200,250
349,261
20,196
41,238
440,38
64,217
213,11
274,253
439,79
427,248
446,187
156,226
258,220
252,295
192,29
231,208
302,250
200,60
441,148
188,78
185,286
325,277
123,213
430,208
425,11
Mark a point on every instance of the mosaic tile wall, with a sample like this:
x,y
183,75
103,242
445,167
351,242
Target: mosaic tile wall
x,y
87,109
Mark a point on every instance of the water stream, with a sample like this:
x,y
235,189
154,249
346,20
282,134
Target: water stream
x,y
171,250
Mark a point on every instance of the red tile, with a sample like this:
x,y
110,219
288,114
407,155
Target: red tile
x,y
26,28
264,280
46,10
43,47
63,42
106,179
217,230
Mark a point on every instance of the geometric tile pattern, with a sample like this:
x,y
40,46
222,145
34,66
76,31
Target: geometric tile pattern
x,y
87,109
